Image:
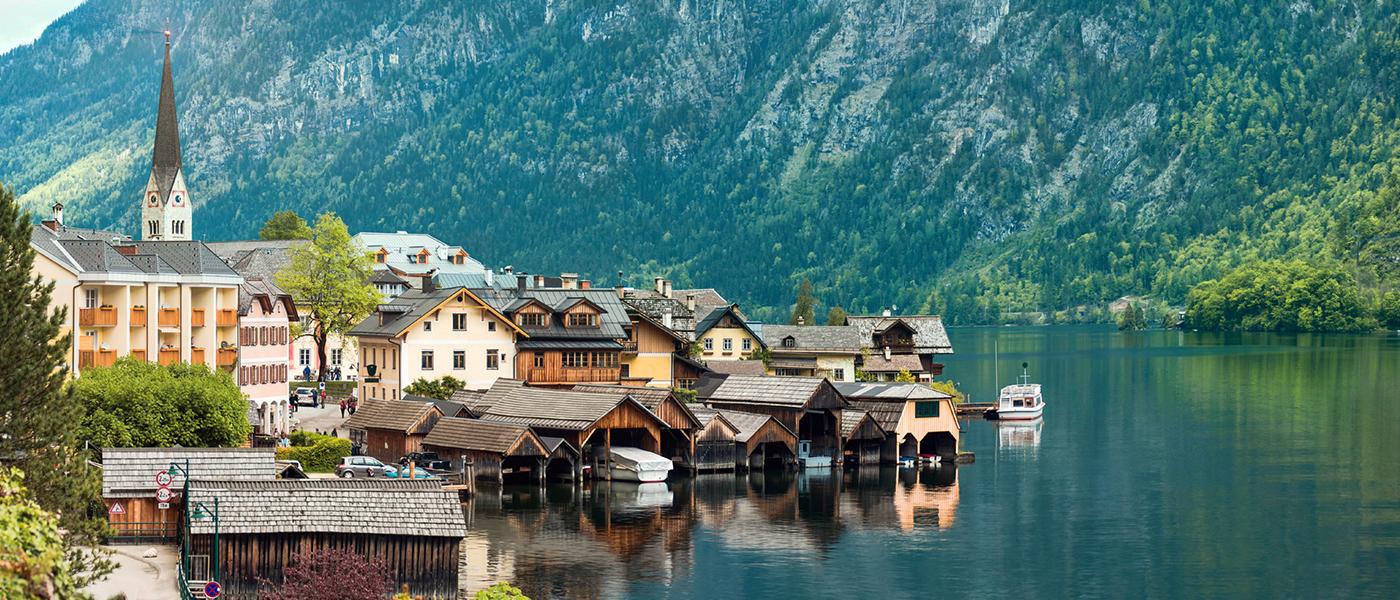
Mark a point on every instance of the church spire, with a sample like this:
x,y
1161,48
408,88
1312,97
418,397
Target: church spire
x,y
165,164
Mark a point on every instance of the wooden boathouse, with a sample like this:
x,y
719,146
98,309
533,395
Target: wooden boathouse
x,y
715,448
808,406
416,527
916,418
494,450
678,438
591,422
862,437
129,484
388,429
762,440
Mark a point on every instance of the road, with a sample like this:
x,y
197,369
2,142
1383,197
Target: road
x,y
137,577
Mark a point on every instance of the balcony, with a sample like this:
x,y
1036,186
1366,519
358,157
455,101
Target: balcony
x,y
139,354
105,316
227,317
170,317
196,356
227,357
629,346
138,316
196,317
169,356
96,358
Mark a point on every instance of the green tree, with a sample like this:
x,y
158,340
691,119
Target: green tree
x,y
501,591
285,225
136,403
1276,295
33,562
441,388
330,278
950,388
804,311
1133,318
836,316
1372,238
39,421
1389,311
905,377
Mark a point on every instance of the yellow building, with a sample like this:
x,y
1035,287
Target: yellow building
x,y
656,356
724,334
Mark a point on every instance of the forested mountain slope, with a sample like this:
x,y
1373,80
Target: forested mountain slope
x,y
965,156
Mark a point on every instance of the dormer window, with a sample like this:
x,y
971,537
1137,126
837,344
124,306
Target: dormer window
x,y
583,320
423,257
532,320
381,256
788,342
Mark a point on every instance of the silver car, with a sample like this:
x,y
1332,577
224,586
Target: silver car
x,y
363,466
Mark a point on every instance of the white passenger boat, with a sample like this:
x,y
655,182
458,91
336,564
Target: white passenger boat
x,y
636,464
1020,401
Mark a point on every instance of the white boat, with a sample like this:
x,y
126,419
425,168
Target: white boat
x,y
1020,401
636,464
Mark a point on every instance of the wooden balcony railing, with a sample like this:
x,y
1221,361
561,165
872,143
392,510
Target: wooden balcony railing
x,y
196,317
105,316
139,354
138,316
196,356
96,358
560,375
169,356
227,357
169,317
629,345
227,317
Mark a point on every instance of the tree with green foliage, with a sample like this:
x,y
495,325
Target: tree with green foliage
x,y
905,377
285,225
39,421
329,277
1133,317
804,312
441,388
1388,313
136,403
33,561
1277,295
1372,237
836,316
761,354
501,591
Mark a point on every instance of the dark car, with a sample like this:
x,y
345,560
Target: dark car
x,y
426,460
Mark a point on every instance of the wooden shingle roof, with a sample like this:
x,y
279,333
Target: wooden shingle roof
x,y
483,436
791,392
351,506
749,423
556,409
395,415
131,472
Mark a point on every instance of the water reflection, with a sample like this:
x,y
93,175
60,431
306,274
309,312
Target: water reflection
x,y
1019,437
561,542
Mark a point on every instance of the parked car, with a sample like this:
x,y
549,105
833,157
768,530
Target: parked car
x,y
417,474
364,466
306,395
426,460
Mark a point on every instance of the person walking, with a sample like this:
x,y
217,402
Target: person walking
x,y
342,408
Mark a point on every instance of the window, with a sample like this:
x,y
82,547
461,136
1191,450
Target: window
x,y
380,257
177,227
709,344
539,360
459,321
304,357
781,372
575,360
490,325
459,359
153,226
583,320
533,320
493,360
335,356
90,298
924,410
427,325
789,342
626,371
839,374
728,345
748,344
427,360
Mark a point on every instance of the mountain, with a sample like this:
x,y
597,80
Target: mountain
x,y
971,157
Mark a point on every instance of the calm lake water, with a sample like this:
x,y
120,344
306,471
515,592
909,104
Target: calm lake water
x,y
1168,464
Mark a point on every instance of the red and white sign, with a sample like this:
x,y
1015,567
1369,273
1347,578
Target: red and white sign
x,y
117,509
164,494
163,478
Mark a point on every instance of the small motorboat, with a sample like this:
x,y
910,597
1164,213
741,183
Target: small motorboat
x,y
636,464
928,458
906,461
1020,401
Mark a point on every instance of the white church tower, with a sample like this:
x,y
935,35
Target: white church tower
x,y
166,210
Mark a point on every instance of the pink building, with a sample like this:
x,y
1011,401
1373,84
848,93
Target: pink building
x,y
265,315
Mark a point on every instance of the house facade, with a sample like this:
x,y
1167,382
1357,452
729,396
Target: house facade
x,y
570,334
812,351
432,332
724,334
265,317
896,343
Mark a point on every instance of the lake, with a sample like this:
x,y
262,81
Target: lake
x,y
1168,464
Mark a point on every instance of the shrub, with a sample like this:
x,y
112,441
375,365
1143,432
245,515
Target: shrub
x,y
331,575
501,591
140,404
321,456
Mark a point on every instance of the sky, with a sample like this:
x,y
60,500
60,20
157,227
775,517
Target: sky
x,y
21,21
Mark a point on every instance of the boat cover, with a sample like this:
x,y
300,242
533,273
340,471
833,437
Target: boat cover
x,y
637,459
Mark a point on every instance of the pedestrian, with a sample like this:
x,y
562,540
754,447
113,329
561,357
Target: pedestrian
x,y
354,404
306,373
292,402
342,408
322,400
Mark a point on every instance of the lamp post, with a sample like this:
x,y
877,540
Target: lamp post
x,y
195,510
202,512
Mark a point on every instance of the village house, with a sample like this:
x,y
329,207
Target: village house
x,y
829,351
809,406
715,441
862,437
570,334
430,332
389,429
413,255
895,343
724,334
265,315
918,419
655,355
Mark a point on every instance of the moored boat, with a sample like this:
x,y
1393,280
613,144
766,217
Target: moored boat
x,y
1020,401
636,464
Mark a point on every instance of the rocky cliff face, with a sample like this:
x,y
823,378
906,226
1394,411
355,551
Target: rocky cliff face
x,y
969,156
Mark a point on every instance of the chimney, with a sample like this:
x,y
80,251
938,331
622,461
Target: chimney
x,y
489,277
887,352
666,318
667,284
520,283
509,270
690,302
657,285
125,250
58,213
585,284
886,313
427,282
801,320
621,291
568,281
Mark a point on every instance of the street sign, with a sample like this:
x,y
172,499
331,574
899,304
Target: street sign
x,y
163,478
164,494
117,509
163,505
213,590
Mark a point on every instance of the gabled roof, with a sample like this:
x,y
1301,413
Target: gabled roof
x,y
887,414
448,408
650,397
354,506
705,415
788,392
852,418
557,409
929,334
572,301
484,436
402,416
813,338
749,423
877,363
131,472
889,392
188,257
736,367
704,297
710,320
266,294
393,318
643,317
387,276
612,320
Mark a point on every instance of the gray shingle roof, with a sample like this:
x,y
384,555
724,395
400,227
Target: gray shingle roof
x,y
262,290
650,397
842,338
131,472
392,415
780,391
353,506
261,262
390,319
929,334
553,409
748,423
888,392
187,257
877,363
476,434
612,322
98,256
736,367
885,413
709,320
850,420
705,414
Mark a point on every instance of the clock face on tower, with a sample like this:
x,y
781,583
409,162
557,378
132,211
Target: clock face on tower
x,y
178,200
153,200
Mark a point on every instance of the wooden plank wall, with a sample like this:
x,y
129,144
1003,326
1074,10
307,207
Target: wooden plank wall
x,y
553,370
387,446
154,522
427,564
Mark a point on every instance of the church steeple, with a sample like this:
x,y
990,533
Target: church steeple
x,y
166,208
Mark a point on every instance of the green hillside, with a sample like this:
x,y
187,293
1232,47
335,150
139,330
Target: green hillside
x,y
970,157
